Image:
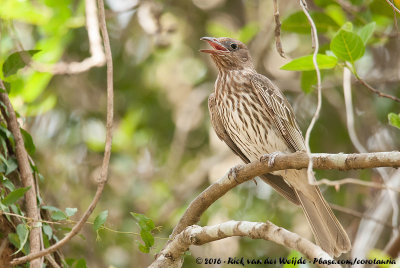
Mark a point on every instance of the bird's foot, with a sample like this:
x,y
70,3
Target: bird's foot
x,y
270,157
232,174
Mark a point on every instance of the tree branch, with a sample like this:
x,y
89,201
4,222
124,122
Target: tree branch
x,y
171,256
282,161
107,150
26,175
97,57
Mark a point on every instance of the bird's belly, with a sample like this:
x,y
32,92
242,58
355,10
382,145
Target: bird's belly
x,y
253,137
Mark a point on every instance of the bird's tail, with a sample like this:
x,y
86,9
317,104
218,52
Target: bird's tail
x,y
328,232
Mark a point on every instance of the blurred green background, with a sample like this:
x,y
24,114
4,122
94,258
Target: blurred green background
x,y
164,149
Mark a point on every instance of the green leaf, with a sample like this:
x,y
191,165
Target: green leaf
x,y
23,234
70,211
8,184
100,220
50,208
305,63
298,23
144,222
28,142
394,120
366,32
81,263
144,249
48,231
12,197
307,81
17,60
147,238
11,165
13,238
58,215
347,45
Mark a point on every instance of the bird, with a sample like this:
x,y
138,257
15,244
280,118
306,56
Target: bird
x,y
253,117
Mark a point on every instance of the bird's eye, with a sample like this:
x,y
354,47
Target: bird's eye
x,y
234,46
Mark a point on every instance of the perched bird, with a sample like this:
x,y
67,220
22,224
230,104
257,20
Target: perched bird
x,y
252,116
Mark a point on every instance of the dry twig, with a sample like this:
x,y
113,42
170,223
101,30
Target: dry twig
x,y
171,256
107,150
360,215
375,91
278,42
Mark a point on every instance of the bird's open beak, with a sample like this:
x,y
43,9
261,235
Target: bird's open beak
x,y
218,47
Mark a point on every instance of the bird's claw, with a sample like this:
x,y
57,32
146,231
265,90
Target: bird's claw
x,y
232,174
270,157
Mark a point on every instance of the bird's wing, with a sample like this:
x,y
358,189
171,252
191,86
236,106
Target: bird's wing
x,y
220,129
276,181
279,110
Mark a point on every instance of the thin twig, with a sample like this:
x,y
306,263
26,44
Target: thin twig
x,y
393,6
357,182
374,90
26,175
52,262
278,42
171,256
107,150
314,119
360,215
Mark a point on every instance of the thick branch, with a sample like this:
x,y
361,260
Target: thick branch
x,y
107,150
296,160
26,174
171,256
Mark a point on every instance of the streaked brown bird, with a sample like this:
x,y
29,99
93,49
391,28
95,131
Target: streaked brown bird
x,y
252,116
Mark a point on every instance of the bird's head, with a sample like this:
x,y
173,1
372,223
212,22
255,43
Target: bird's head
x,y
228,53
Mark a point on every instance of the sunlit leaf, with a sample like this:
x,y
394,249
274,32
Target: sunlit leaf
x,y
366,32
12,197
347,45
17,60
394,119
305,63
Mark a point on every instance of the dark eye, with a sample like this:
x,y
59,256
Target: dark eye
x,y
234,46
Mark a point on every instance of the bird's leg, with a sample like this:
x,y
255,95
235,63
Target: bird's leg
x,y
232,173
271,158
